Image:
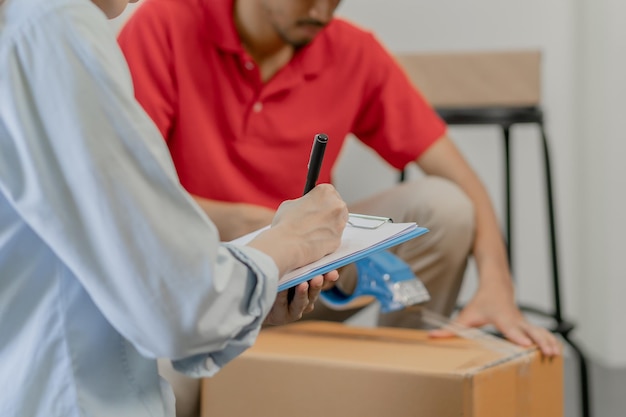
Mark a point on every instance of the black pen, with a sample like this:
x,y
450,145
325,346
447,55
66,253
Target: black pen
x,y
313,172
315,161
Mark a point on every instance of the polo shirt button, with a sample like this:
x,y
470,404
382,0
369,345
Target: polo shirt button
x,y
249,65
258,106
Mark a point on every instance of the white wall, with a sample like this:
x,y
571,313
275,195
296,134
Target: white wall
x,y
445,25
584,46
602,175
581,103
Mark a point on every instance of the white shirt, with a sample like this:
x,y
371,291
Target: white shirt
x,y
106,263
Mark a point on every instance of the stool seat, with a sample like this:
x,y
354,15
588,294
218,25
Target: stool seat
x,y
490,115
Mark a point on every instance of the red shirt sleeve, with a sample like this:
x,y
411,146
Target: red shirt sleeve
x,y
145,42
394,119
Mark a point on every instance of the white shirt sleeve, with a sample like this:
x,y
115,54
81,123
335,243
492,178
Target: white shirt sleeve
x,y
87,170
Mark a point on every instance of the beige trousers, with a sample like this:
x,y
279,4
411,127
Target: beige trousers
x,y
438,258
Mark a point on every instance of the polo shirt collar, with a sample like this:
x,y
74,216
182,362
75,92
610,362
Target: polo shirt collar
x,y
221,25
222,32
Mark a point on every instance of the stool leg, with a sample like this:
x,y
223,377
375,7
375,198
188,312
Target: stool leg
x,y
585,400
506,130
558,316
558,313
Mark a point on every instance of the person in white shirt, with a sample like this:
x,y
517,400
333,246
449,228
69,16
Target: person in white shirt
x,y
106,263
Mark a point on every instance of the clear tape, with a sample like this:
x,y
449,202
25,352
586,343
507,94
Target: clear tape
x,y
489,341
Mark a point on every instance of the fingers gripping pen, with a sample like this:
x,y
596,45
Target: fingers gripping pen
x,y
313,172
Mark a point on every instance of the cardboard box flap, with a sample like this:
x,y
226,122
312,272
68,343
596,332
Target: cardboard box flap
x,y
391,349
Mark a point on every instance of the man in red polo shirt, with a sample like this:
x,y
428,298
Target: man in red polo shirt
x,y
239,88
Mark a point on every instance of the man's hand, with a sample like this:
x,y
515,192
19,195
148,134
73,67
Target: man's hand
x,y
306,294
497,307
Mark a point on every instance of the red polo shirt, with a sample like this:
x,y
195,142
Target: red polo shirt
x,y
235,139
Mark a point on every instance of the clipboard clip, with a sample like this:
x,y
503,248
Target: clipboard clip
x,y
365,221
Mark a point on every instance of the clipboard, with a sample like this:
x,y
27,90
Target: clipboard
x,y
362,236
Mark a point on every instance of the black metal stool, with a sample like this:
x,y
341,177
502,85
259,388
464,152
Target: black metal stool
x,y
505,118
490,89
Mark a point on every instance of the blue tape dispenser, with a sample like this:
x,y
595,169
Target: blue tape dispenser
x,y
385,277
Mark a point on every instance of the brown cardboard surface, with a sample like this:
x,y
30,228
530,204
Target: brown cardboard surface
x,y
476,79
328,369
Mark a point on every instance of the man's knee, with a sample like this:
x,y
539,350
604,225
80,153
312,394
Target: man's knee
x,y
443,207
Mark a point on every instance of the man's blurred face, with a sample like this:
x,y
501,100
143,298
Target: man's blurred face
x,y
297,22
113,8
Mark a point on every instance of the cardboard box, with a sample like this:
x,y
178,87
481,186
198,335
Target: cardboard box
x,y
328,369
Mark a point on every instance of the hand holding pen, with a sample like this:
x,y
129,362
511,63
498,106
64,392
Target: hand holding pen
x,y
313,173
304,230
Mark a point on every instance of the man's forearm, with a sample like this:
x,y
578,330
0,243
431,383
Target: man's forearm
x,y
444,159
488,248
